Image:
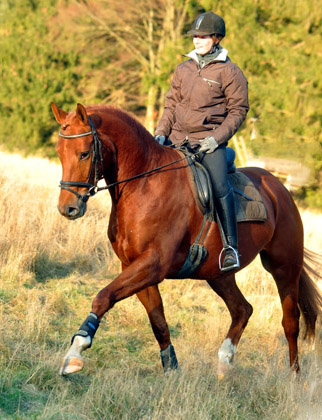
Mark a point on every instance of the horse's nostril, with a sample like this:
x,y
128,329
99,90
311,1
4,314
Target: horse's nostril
x,y
72,211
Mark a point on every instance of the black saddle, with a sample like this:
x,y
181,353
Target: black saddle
x,y
201,175
197,252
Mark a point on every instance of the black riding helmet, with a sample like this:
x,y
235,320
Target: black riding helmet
x,y
207,24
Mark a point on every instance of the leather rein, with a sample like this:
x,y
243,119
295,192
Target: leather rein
x,y
97,160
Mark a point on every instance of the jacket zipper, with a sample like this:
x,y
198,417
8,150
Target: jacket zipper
x,y
209,81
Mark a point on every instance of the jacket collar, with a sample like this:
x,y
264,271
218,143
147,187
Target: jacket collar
x,y
221,56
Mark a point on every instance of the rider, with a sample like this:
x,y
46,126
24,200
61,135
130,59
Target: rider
x,y
206,104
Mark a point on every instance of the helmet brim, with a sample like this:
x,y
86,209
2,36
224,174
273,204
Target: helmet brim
x,y
197,32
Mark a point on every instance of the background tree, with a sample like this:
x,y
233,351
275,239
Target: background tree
x,y
105,51
33,72
148,39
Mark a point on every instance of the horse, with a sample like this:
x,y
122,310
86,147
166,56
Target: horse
x,y
154,219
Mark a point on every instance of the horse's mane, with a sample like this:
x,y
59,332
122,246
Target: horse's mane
x,y
123,115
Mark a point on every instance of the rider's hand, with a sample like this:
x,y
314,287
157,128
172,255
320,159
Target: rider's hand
x,y
160,139
163,140
208,145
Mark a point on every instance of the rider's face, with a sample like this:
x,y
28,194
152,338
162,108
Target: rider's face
x,y
203,43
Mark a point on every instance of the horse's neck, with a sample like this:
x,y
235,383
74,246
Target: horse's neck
x,y
130,164
133,149
136,155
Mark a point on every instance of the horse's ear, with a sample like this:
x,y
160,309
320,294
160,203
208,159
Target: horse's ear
x,y
60,115
82,114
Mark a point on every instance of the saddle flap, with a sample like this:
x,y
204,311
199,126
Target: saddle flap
x,y
203,183
203,180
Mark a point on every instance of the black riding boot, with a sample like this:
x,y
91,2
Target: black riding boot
x,y
227,216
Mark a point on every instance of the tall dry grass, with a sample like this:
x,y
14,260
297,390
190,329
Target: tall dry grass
x,y
50,271
35,239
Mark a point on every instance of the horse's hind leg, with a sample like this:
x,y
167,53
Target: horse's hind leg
x,y
287,277
240,312
152,301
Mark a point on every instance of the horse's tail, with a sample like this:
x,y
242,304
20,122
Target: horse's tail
x,y
310,298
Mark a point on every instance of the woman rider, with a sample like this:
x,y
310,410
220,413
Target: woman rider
x,y
206,104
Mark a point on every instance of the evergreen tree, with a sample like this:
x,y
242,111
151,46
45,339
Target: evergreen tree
x,y
34,72
125,54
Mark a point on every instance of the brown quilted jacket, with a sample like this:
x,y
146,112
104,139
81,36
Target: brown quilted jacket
x,y
202,102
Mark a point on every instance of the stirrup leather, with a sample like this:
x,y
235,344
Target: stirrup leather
x,y
231,267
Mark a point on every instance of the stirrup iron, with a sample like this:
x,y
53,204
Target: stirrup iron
x,y
231,267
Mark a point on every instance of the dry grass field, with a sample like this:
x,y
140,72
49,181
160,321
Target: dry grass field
x,y
50,270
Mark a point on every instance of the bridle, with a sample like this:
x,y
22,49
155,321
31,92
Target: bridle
x,y
97,160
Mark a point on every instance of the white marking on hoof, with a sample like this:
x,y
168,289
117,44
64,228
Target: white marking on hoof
x,y
73,361
226,355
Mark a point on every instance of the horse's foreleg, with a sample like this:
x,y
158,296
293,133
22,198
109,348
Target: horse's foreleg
x,y
152,301
240,312
73,361
145,271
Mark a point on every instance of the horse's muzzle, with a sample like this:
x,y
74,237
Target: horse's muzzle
x,y
74,211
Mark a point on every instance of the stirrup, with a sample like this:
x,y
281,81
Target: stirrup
x,y
230,267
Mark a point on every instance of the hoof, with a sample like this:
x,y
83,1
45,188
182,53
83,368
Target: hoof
x,y
71,365
223,368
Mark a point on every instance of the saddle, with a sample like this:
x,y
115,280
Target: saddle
x,y
249,203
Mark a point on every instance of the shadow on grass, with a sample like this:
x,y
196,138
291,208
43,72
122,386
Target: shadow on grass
x,y
47,268
26,395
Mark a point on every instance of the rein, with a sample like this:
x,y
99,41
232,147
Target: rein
x,y
97,159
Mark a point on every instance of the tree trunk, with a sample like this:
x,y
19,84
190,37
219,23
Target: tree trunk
x,y
151,113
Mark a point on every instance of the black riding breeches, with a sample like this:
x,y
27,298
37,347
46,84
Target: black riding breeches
x,y
216,163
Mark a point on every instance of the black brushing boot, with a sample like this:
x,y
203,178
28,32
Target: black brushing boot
x,y
169,359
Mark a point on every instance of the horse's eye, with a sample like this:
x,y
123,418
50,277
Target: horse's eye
x,y
84,155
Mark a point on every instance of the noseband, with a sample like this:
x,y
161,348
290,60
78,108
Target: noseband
x,y
97,159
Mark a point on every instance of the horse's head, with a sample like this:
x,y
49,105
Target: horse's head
x,y
79,155
120,151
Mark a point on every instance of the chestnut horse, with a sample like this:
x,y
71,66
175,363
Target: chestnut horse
x,y
155,217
